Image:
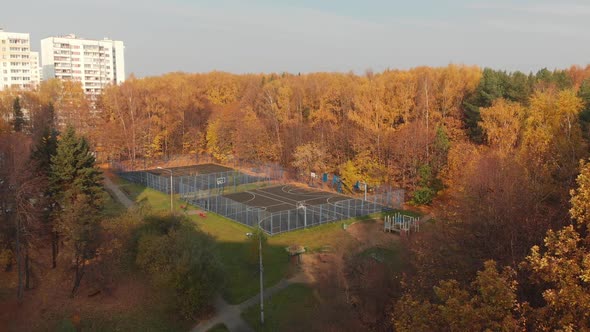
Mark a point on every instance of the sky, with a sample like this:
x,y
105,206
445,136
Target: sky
x,y
301,36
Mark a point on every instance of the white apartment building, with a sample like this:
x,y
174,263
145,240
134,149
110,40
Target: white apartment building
x,y
94,63
19,67
36,76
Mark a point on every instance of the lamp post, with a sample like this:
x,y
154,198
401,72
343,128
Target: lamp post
x,y
304,208
261,272
171,189
365,185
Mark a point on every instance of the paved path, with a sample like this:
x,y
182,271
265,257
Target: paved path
x,y
230,315
117,192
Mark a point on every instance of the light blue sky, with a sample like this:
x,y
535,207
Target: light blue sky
x,y
322,35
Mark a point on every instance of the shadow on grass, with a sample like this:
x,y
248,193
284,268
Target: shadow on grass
x,y
242,269
218,328
238,255
287,310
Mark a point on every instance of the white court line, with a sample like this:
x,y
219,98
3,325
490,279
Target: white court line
x,y
309,192
251,199
283,199
269,206
334,203
275,198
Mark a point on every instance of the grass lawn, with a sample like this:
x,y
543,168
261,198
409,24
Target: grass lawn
x,y
404,212
237,252
389,256
288,309
234,247
319,237
218,328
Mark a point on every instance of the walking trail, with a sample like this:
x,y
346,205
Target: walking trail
x,y
230,315
121,197
227,314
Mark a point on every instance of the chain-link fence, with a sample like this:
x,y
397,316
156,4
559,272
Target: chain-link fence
x,y
289,220
189,184
207,190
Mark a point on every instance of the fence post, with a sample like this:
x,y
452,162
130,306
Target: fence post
x,y
271,230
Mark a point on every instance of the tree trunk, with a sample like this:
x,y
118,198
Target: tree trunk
x,y
427,118
80,265
27,269
54,248
8,266
19,262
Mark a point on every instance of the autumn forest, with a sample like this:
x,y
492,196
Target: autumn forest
x,y
497,158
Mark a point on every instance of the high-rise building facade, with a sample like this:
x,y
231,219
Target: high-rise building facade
x,y
94,63
19,67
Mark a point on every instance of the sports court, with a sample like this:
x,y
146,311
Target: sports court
x,y
285,208
248,198
283,198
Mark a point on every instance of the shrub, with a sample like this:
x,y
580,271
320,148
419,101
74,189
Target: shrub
x,y
423,195
180,257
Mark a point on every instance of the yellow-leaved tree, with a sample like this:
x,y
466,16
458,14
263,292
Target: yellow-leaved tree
x,y
502,124
558,271
562,267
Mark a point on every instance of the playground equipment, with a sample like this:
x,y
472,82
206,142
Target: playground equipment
x,y
400,223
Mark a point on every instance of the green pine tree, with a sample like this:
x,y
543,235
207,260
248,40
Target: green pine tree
x,y
44,150
584,94
73,169
50,115
19,117
76,186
